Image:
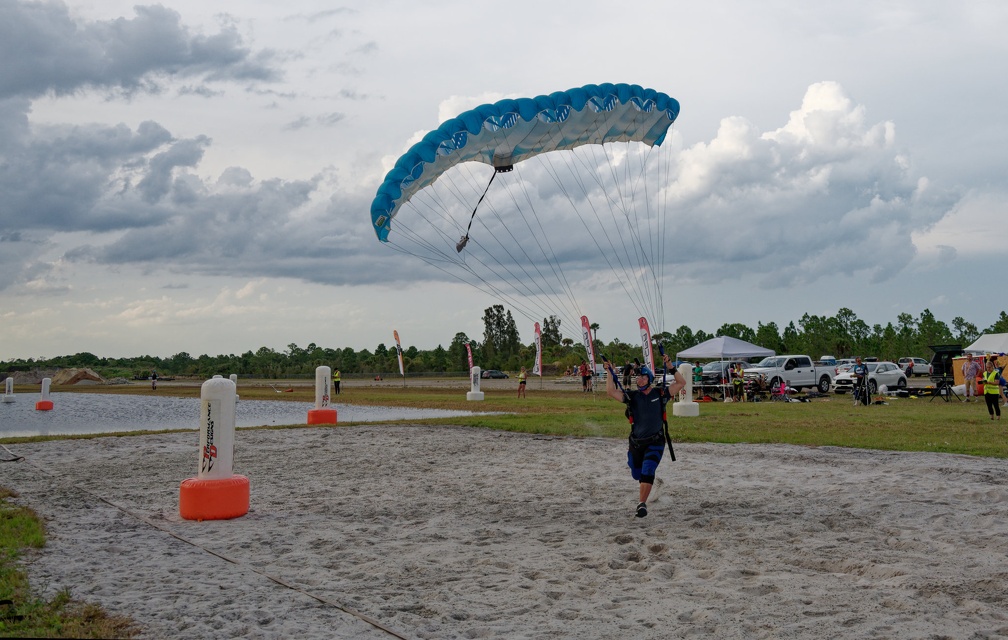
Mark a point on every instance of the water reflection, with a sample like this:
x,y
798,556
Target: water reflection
x,y
86,413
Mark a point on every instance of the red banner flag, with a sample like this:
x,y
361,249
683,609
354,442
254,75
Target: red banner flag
x,y
537,367
398,347
645,336
589,345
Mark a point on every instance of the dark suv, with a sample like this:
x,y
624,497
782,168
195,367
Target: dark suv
x,y
716,372
941,363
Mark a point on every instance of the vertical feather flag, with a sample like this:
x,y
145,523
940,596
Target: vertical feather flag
x,y
537,367
589,346
398,348
645,336
469,352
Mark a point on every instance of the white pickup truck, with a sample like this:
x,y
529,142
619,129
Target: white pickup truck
x,y
798,371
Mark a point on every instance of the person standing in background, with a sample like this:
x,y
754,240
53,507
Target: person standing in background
x,y
970,371
336,382
992,390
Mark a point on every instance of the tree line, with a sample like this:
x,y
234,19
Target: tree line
x,y
841,335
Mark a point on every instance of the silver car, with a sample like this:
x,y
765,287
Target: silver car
x,y
887,374
921,367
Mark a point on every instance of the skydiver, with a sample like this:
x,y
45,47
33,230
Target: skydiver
x,y
648,427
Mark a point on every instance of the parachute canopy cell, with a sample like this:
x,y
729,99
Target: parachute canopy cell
x,y
509,131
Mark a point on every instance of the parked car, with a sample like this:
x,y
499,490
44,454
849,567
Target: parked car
x,y
797,371
493,373
921,367
716,372
880,374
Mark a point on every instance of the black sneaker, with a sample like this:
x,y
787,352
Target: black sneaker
x,y
641,510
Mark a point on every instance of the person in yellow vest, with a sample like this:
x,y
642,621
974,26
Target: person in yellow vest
x,y
522,379
336,380
992,390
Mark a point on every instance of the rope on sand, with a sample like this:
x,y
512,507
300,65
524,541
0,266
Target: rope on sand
x,y
276,579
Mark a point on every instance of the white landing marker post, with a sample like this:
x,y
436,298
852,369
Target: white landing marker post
x,y
474,392
215,493
9,390
685,407
45,404
322,413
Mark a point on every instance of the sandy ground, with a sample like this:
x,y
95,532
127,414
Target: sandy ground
x,y
446,532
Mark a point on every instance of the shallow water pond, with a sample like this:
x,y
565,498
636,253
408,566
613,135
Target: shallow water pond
x,y
86,413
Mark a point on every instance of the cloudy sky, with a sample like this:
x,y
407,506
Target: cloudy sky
x,y
197,176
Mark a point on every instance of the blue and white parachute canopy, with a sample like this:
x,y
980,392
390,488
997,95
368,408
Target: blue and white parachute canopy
x,y
510,131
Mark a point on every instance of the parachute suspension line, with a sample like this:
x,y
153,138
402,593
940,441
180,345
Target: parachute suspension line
x,y
440,259
555,174
465,238
633,295
649,255
653,256
642,256
541,238
523,283
533,294
661,203
432,255
490,289
519,282
630,260
421,241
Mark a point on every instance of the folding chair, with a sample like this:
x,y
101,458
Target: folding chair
x,y
779,392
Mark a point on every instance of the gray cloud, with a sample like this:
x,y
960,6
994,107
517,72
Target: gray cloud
x,y
100,178
184,153
45,50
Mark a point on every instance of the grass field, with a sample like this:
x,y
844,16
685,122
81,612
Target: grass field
x,y
903,424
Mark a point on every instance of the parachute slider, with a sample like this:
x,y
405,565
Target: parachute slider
x,y
503,164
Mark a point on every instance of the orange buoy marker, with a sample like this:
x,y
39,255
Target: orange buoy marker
x,y
322,413
215,493
474,391
45,404
8,395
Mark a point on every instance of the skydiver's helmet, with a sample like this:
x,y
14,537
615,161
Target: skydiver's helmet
x,y
646,371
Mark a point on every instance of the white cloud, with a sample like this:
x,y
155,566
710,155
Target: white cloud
x,y
795,171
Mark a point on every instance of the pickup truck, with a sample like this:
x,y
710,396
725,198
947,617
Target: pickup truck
x,y
797,370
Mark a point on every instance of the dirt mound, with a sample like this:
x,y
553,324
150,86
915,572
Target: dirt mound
x,y
75,376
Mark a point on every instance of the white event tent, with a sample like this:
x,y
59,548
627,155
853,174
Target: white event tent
x,y
989,343
725,348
